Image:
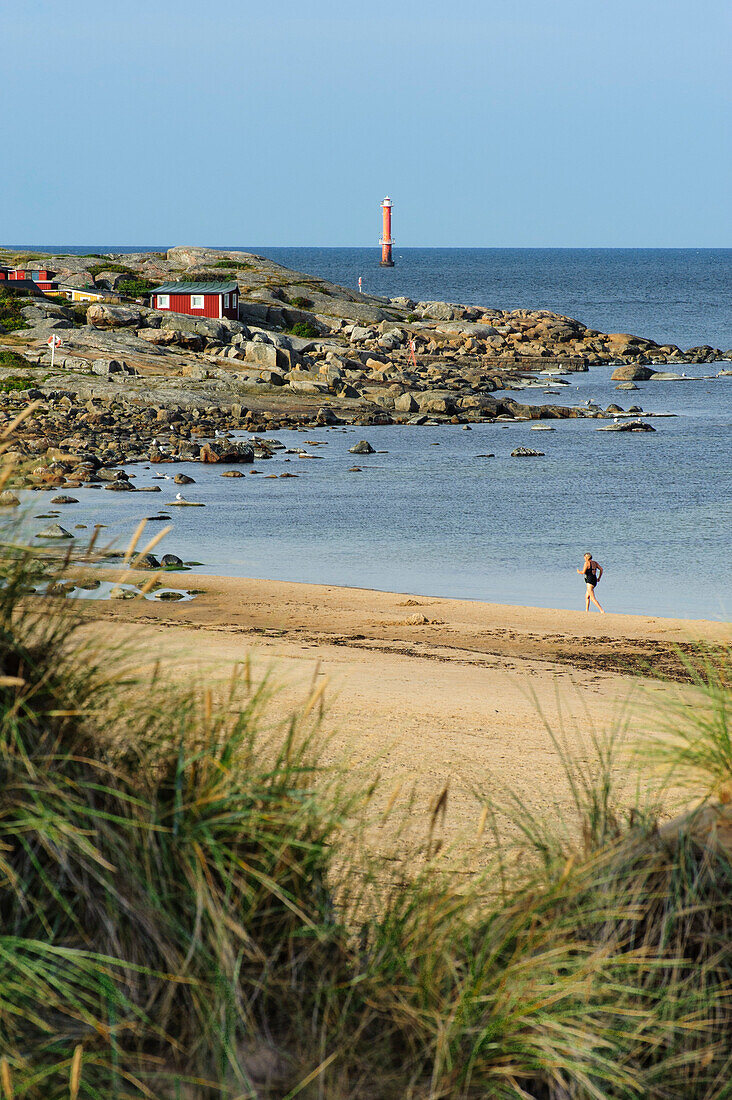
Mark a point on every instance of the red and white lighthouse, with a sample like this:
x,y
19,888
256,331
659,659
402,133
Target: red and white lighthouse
x,y
386,242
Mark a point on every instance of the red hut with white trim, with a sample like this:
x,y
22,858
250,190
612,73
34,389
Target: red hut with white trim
x,y
198,299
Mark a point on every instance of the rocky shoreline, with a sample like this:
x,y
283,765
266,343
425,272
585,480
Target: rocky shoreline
x,y
132,384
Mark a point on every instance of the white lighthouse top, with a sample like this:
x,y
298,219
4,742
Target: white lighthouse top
x,y
387,202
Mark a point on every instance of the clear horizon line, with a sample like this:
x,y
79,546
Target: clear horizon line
x,y
405,248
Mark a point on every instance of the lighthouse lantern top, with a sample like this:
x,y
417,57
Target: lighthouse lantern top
x,y
387,202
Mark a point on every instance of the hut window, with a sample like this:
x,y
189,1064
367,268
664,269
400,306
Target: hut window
x,y
163,301
196,301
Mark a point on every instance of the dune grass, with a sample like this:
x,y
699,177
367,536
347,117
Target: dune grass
x,y
181,915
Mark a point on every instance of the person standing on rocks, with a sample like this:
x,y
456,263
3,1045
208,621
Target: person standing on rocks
x,y
591,571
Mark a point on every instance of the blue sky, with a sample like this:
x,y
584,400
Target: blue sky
x,y
600,123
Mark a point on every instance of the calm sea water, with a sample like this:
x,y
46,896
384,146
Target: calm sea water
x,y
431,517
672,295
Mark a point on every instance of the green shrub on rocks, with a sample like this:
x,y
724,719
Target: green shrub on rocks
x,y
76,309
11,319
304,330
15,383
9,359
134,288
233,265
201,276
122,269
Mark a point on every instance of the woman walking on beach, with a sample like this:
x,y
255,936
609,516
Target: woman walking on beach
x,y
591,571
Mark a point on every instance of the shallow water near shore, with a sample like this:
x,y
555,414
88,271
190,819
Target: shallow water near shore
x,y
431,517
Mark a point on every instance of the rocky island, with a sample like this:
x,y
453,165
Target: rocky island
x,y
130,383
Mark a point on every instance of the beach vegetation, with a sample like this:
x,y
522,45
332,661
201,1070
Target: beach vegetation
x,y
189,908
300,302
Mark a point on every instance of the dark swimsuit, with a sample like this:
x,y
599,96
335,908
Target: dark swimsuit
x,y
590,576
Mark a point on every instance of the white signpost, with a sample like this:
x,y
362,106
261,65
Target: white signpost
x,y
53,342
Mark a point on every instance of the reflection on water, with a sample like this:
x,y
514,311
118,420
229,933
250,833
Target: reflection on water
x,y
110,590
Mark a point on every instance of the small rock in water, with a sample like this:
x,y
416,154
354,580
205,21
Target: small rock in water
x,y
118,593
60,588
236,473
632,372
80,527
183,479
147,561
284,475
628,426
54,531
526,452
120,487
169,595
169,560
154,519
8,499
363,447
355,470
64,500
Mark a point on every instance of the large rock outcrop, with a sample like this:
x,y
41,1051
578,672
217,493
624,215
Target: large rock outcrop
x,y
101,315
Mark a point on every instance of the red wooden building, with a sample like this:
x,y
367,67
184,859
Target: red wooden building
x,y
42,277
198,299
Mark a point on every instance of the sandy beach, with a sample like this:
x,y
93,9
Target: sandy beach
x,y
426,693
